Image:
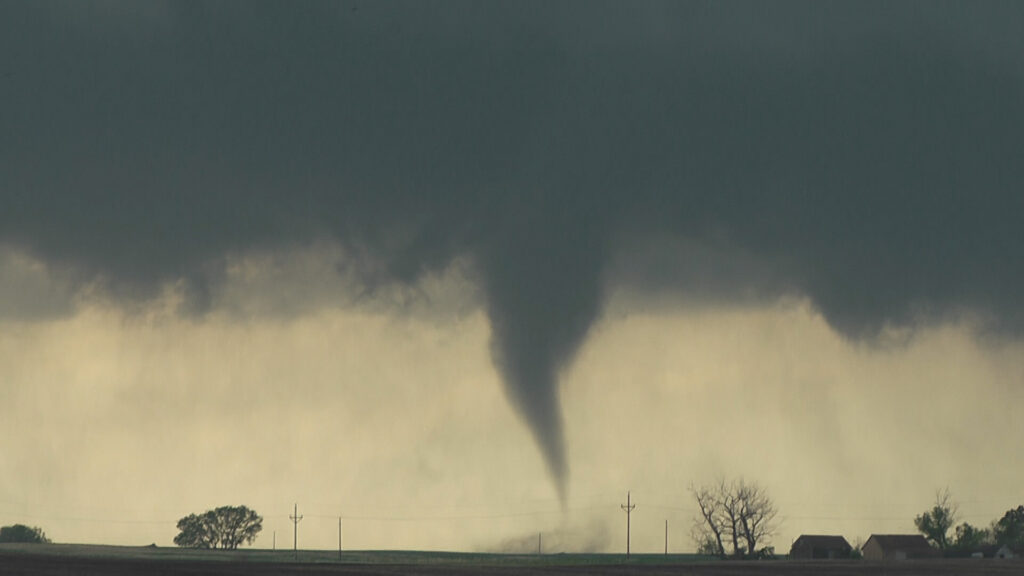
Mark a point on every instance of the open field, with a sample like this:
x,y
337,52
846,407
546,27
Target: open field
x,y
63,559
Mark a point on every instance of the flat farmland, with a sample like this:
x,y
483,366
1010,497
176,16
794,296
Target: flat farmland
x,y
65,559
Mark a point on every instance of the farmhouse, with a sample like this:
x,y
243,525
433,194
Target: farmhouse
x,y
808,547
897,547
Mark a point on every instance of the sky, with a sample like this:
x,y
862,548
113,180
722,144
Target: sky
x,y
460,273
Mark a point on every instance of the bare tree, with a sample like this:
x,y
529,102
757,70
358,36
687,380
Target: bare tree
x,y
756,514
707,529
739,513
730,518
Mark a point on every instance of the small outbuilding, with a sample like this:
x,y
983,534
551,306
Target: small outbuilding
x,y
815,547
1004,552
898,547
995,551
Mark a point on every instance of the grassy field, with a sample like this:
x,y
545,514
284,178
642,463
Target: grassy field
x,y
86,560
362,557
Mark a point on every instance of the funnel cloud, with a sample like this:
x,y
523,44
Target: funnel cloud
x,y
543,292
864,156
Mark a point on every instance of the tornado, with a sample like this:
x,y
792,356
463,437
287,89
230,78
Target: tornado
x,y
542,292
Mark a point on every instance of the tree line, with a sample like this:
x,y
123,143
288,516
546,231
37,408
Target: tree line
x,y
23,534
939,526
736,519
224,528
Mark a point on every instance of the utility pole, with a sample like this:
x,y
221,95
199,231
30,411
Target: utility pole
x,y
295,535
666,537
339,537
275,540
628,508
538,543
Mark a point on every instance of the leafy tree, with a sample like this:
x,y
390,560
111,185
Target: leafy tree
x,y
935,523
969,538
196,531
857,551
1009,529
737,513
22,533
226,528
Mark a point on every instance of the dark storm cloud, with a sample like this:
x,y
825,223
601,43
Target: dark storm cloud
x,y
864,154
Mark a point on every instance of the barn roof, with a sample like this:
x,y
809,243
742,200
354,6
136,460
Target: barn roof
x,y
819,541
906,542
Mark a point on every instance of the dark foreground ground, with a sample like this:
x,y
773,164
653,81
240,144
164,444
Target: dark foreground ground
x,y
53,560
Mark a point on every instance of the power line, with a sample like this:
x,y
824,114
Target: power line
x,y
98,520
591,497
426,518
295,535
628,508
